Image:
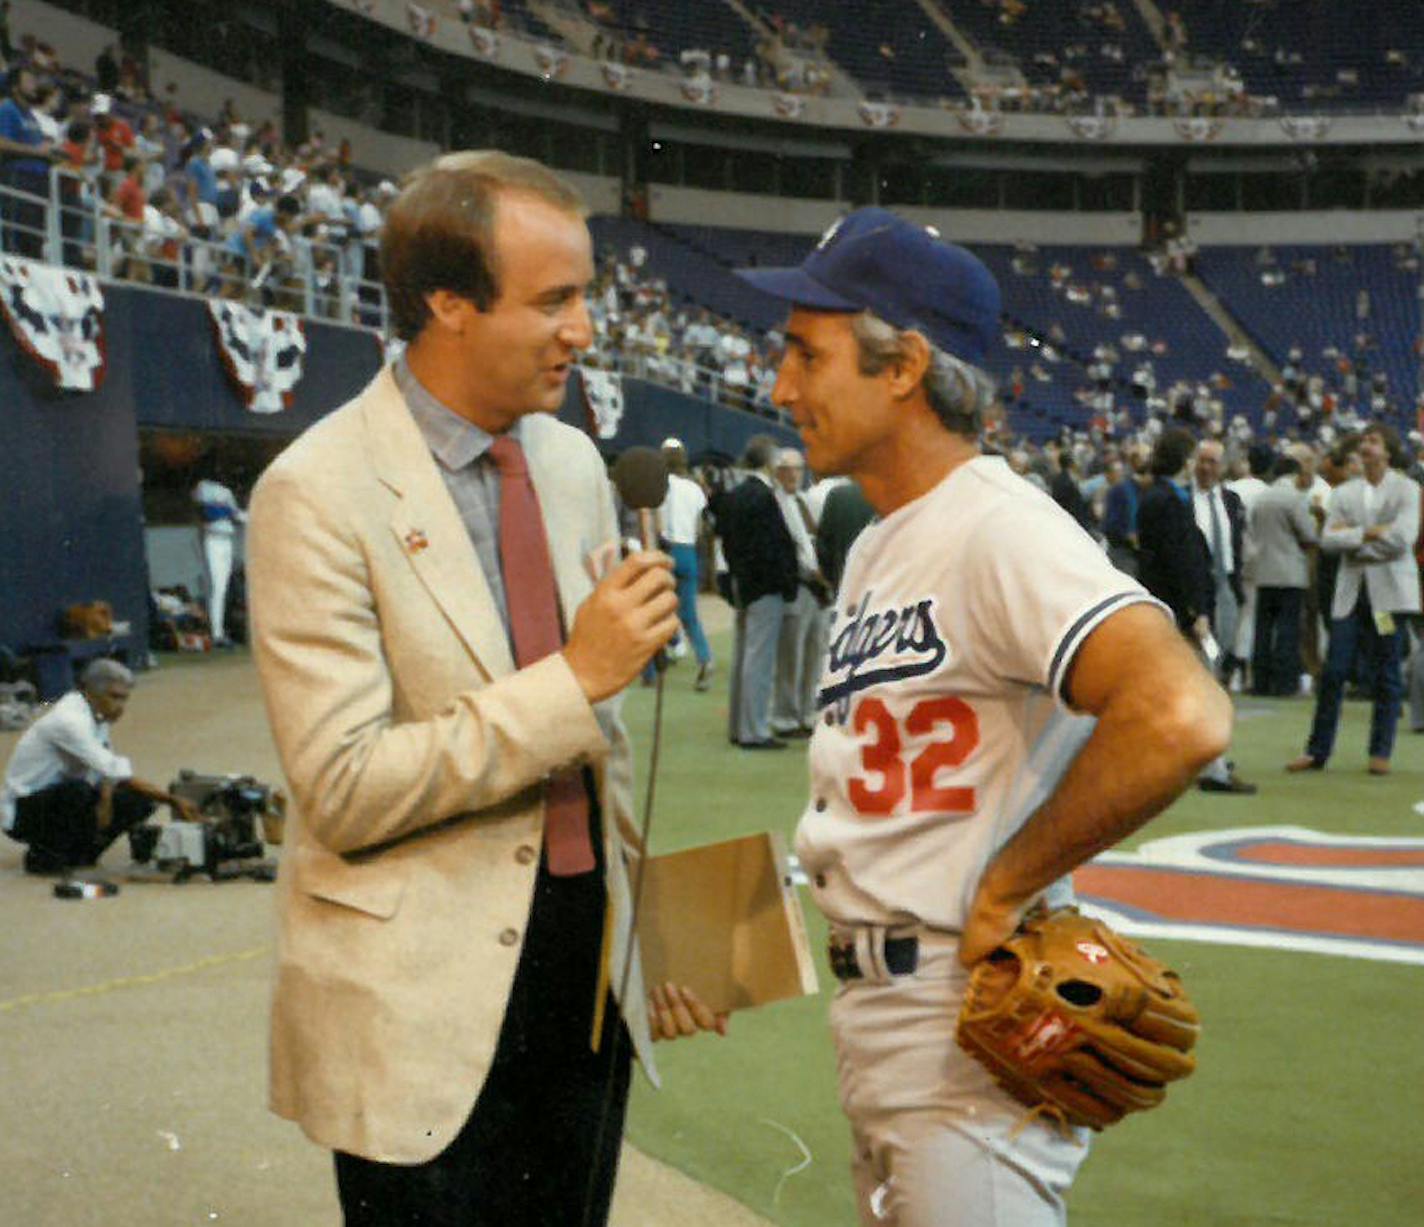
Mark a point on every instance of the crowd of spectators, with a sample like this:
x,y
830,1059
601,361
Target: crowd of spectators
x,y
640,330
790,57
150,193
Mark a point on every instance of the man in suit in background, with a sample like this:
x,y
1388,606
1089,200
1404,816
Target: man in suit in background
x,y
1222,519
1174,565
442,631
1372,525
762,558
801,647
1173,562
1120,516
1261,463
846,512
1282,529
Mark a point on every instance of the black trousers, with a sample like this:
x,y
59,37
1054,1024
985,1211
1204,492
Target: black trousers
x,y
1275,656
541,1147
60,825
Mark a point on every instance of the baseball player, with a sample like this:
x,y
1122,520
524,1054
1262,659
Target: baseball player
x,y
998,705
220,514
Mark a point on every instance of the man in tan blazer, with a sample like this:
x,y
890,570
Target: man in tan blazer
x,y
442,1017
1372,523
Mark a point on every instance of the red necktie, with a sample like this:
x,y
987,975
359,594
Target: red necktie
x,y
533,600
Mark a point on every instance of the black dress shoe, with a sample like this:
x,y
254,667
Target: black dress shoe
x,y
767,743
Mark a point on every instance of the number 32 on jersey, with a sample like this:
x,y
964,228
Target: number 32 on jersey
x,y
888,776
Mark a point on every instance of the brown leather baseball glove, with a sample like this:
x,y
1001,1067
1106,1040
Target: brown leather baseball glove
x,y
1076,1021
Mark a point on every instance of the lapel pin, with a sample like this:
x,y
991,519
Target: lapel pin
x,y
415,541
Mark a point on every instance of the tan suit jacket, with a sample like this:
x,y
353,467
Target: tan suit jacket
x,y
415,752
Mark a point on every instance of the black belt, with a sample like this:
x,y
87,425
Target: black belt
x,y
902,956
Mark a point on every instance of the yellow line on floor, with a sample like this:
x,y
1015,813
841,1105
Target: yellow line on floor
x,y
110,986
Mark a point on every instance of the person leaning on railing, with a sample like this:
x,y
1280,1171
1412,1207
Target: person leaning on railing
x,y
125,206
25,157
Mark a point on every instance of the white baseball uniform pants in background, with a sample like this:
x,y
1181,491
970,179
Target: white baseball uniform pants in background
x,y
935,1142
217,551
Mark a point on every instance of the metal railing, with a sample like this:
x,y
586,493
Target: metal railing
x,y
686,375
73,227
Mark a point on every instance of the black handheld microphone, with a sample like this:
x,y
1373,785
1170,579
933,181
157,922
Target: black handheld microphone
x,y
641,476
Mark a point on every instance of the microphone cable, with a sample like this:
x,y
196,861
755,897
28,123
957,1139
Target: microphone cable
x,y
621,997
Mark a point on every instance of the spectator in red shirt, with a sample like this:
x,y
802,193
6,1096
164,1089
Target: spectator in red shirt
x,y
78,146
127,204
115,136
129,197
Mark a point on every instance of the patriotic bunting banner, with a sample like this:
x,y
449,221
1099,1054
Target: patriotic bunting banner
x,y
789,106
879,114
618,76
57,316
1197,128
603,394
700,90
484,41
1092,127
263,352
421,21
552,61
980,122
1305,127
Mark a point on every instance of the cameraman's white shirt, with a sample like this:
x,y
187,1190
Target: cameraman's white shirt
x,y
67,742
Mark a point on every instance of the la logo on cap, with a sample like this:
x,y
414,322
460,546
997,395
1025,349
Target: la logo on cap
x,y
830,233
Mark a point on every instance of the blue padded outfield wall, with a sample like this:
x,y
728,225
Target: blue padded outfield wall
x,y
70,507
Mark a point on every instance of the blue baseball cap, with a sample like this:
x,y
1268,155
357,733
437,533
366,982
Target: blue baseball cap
x,y
873,260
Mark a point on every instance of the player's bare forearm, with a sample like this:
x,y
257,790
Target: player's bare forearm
x,y
1161,718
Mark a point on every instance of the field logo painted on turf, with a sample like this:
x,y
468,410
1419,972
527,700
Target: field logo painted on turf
x,y
1279,887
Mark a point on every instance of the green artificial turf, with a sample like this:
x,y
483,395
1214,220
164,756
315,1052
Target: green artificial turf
x,y
1305,1108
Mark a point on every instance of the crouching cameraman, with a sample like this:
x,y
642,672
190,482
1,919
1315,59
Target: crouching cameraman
x,y
66,794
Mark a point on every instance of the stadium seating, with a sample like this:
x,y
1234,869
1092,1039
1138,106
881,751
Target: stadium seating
x,y
1048,40
690,274
908,55
1325,55
1159,310
1316,305
674,28
522,17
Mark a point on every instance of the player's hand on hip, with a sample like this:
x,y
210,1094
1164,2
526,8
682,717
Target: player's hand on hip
x,y
628,617
989,924
675,1011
